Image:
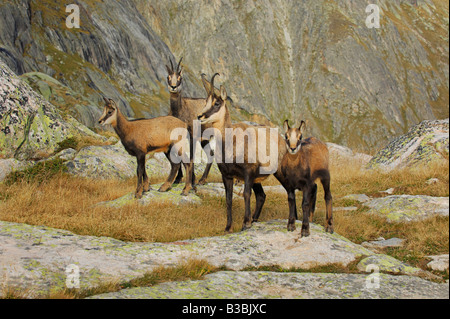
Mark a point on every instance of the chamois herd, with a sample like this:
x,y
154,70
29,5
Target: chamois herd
x,y
299,162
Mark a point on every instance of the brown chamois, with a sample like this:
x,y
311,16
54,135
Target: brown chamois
x,y
216,114
143,136
303,163
186,109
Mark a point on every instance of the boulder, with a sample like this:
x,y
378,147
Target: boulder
x,y
404,208
424,142
30,127
10,165
439,262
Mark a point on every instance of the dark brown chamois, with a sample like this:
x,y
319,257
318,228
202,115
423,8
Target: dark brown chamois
x,y
186,109
242,164
143,136
303,163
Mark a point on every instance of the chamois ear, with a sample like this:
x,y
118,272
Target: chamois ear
x,y
302,126
286,126
112,104
181,72
223,93
106,100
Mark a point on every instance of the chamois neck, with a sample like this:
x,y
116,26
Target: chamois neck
x,y
120,125
175,104
224,123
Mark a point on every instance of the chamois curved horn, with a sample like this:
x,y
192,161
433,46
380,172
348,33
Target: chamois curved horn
x,y
212,83
205,83
178,66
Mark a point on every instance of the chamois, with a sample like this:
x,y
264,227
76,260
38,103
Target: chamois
x,y
303,163
143,136
186,109
216,114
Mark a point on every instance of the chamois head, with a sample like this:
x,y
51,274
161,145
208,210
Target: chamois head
x,y
109,115
293,136
215,107
175,76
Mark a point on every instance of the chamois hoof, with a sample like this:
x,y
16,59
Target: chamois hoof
x,y
291,227
305,233
138,195
329,229
164,188
202,181
246,226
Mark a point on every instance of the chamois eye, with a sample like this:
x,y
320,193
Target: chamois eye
x,y
109,112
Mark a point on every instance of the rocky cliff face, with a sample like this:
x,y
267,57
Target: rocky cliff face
x,y
314,60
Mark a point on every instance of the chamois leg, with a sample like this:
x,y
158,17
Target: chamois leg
x,y
188,185
173,171
179,176
312,202
146,181
202,180
260,199
140,175
228,184
292,210
248,185
329,226
305,207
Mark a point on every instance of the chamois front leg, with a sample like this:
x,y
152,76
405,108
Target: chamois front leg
x,y
305,207
188,185
312,202
228,184
140,175
292,210
202,180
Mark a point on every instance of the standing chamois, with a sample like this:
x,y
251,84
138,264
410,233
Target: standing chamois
x,y
215,113
303,163
186,109
143,136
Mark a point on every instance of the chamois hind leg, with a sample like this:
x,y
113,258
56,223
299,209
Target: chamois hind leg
x,y
312,202
260,199
140,175
329,224
179,176
248,185
202,180
173,171
228,184
292,210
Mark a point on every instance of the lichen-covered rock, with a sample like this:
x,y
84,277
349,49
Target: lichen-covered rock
x,y
113,161
30,127
263,285
385,263
424,142
404,208
36,257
